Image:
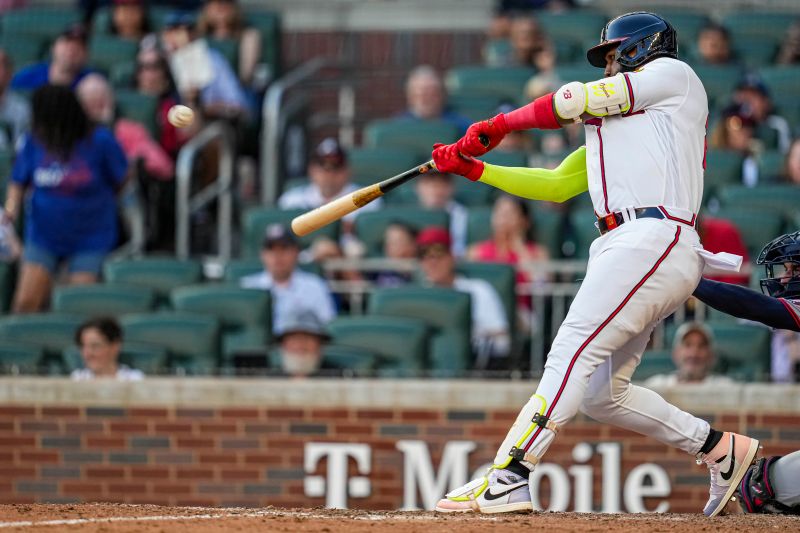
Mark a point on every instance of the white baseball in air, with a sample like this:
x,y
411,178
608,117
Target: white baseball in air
x,y
180,116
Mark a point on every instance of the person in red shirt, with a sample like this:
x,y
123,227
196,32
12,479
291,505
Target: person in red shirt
x,y
721,235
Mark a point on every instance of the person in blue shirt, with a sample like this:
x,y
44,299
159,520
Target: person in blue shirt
x,y
73,171
67,65
426,99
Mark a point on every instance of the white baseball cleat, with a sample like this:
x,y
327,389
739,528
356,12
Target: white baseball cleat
x,y
499,491
728,463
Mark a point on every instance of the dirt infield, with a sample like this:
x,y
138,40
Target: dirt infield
x,y
112,518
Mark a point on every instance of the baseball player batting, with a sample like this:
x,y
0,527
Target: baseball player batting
x,y
643,166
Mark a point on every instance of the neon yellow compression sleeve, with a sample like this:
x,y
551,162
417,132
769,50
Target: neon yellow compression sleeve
x,y
557,185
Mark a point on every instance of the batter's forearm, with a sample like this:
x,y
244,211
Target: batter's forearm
x,y
557,185
745,303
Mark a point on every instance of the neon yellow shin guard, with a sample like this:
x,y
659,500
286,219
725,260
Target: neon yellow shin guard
x,y
519,442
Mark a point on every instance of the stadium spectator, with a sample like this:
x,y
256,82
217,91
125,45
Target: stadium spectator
x,y
791,171
752,94
329,178
73,171
224,20
720,235
790,48
714,46
491,341
97,98
293,290
67,65
100,343
530,45
736,131
506,10
129,19
153,78
301,337
426,98
694,358
435,191
15,112
203,76
400,244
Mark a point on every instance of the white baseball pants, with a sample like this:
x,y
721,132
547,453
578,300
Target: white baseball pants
x,y
638,274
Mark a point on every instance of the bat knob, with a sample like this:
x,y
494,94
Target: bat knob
x,y
484,139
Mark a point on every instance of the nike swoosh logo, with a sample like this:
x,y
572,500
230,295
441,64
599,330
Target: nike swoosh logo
x,y
489,495
727,475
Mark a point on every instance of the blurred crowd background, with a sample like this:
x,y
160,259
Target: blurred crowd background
x,y
144,249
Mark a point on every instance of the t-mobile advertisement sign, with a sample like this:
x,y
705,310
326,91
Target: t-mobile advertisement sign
x,y
424,483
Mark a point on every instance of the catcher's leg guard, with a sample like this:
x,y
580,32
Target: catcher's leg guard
x,y
519,444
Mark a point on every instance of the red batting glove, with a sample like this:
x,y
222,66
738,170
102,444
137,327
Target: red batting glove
x,y
493,129
449,160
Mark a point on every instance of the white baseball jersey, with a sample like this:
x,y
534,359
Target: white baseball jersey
x,y
654,154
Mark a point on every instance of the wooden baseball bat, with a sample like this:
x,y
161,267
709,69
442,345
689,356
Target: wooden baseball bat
x,y
336,209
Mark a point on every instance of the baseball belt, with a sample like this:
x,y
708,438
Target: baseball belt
x,y
608,222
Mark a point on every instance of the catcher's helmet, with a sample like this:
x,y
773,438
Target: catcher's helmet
x,y
781,259
650,35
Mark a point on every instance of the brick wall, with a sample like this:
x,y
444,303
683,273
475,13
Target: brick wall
x,y
254,455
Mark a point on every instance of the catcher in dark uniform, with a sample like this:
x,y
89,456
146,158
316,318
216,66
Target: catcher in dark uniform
x,y
771,484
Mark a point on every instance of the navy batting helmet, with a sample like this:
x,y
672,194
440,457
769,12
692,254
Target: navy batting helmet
x,y
781,259
645,34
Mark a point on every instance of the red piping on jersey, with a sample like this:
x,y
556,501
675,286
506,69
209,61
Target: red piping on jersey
x,y
614,313
603,170
630,95
791,311
676,219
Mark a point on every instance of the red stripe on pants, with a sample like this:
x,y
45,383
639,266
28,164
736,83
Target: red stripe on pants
x,y
600,328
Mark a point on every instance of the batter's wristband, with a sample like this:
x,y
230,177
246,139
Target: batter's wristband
x,y
539,114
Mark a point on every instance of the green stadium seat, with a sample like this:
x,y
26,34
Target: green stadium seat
x,y
686,23
229,48
149,358
782,79
503,83
401,343
268,23
579,71
572,25
479,224
371,225
23,50
354,361
547,226
743,349
778,198
161,274
757,226
719,81
255,220
586,232
191,339
244,314
139,107
416,135
654,362
473,194
446,311
45,22
755,50
770,166
502,277
369,165
495,51
758,24
723,167
239,268
102,299
52,332
122,75
475,106
105,51
18,357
